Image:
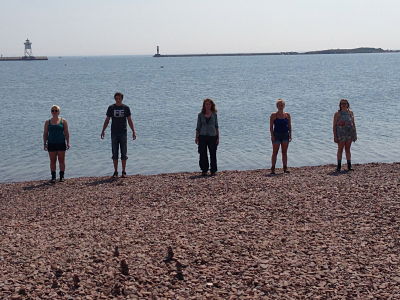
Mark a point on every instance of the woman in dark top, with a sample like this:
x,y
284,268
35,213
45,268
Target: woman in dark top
x,y
281,134
344,132
207,136
56,141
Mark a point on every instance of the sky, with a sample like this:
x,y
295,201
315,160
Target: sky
x,y
136,27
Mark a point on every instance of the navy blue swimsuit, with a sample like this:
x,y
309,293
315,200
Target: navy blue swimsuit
x,y
281,130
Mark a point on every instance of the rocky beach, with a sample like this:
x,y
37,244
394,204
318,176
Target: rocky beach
x,y
310,234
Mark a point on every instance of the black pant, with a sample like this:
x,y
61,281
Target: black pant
x,y
210,142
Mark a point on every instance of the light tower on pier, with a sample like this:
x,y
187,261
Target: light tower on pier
x,y
28,48
158,52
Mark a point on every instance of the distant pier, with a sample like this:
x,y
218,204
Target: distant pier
x,y
25,58
225,54
330,51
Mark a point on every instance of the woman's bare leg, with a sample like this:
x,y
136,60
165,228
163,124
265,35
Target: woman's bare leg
x,y
61,160
339,155
347,149
340,150
275,150
285,146
53,161
348,154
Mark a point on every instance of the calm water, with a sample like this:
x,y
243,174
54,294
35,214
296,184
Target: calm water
x,y
165,102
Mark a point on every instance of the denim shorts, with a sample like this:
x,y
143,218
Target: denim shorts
x,y
281,138
119,141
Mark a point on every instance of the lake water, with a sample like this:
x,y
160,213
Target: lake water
x,y
165,96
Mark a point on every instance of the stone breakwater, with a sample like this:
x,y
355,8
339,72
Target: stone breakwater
x,y
311,234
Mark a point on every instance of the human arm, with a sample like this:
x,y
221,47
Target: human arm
x,y
132,126
106,121
198,127
45,134
271,126
289,126
66,132
354,126
335,118
217,128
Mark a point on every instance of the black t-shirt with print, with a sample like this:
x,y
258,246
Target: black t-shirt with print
x,y
118,115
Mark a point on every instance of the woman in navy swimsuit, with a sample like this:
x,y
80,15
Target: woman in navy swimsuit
x,y
281,134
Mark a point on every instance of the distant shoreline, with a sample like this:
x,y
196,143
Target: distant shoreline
x,y
329,51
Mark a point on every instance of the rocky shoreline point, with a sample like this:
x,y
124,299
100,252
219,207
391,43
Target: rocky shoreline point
x,y
310,234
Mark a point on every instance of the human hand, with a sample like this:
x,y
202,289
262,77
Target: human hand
x,y
45,147
217,141
336,140
68,146
196,140
102,135
272,138
134,135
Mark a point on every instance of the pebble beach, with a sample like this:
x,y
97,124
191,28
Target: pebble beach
x,y
310,234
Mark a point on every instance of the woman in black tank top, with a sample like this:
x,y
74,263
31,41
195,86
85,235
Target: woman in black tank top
x,y
56,141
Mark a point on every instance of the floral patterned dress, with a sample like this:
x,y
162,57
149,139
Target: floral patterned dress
x,y
345,128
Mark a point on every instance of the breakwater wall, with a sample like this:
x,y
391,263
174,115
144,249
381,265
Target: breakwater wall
x,y
23,58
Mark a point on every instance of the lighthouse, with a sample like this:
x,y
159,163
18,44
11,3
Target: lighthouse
x,y
27,54
158,52
28,48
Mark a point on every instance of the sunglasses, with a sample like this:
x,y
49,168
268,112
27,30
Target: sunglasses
x,y
54,110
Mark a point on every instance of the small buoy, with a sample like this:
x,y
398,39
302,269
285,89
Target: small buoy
x,y
162,67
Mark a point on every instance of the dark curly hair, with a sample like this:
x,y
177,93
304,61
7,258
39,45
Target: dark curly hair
x,y
213,108
344,100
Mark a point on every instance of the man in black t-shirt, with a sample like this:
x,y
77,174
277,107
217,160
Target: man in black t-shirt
x,y
119,113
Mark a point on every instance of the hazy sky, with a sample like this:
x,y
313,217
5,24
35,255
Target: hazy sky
x,y
129,27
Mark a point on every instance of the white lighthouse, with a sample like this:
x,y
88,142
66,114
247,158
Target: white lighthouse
x,y
28,48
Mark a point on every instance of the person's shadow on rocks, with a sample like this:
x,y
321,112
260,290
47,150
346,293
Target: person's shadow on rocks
x,y
199,176
274,175
336,173
37,186
102,181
